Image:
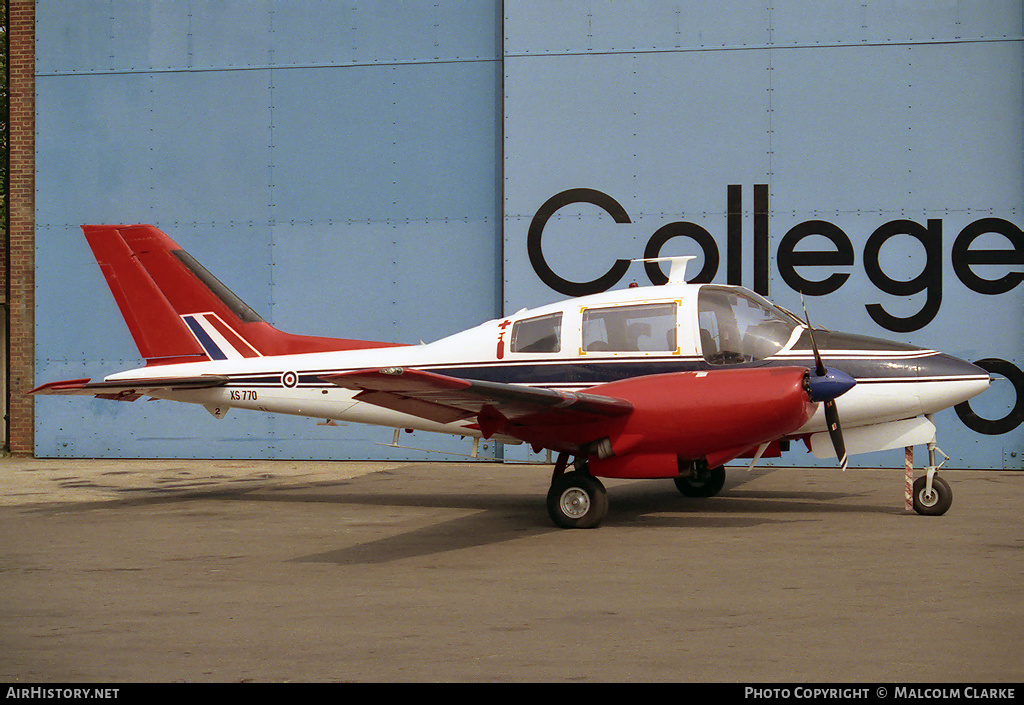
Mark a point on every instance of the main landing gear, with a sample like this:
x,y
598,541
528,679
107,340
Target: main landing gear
x,y
578,500
702,480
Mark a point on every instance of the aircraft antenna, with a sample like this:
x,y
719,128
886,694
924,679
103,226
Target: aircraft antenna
x,y
677,268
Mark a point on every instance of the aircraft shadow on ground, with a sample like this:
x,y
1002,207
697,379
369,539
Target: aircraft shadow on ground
x,y
499,518
496,518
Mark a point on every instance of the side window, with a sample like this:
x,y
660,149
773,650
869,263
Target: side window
x,y
537,335
641,328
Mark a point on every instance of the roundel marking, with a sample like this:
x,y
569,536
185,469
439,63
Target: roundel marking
x,y
289,379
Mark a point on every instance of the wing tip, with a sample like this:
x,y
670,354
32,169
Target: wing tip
x,y
65,385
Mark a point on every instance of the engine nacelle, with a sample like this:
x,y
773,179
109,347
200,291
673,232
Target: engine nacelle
x,y
700,416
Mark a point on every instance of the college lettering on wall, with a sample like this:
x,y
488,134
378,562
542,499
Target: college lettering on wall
x,y
967,262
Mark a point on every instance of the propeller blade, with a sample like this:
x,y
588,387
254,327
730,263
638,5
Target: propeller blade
x,y
825,385
835,432
820,370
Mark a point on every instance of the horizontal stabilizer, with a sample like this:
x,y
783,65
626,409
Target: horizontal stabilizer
x,y
128,389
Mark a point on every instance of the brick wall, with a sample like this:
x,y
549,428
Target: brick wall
x,y
21,292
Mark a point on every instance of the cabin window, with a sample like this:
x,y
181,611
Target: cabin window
x,y
739,326
538,335
640,328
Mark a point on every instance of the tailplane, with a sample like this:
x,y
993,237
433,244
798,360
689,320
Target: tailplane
x,y
178,312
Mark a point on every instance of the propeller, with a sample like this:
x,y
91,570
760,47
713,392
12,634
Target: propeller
x,y
825,385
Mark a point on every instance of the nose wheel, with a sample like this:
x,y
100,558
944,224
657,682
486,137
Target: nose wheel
x,y
930,495
933,501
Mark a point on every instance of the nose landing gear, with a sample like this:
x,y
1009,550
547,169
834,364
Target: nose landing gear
x,y
930,495
934,500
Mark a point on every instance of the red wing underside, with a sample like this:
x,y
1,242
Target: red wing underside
x,y
494,406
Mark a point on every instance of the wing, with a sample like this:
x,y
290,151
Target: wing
x,y
128,389
495,406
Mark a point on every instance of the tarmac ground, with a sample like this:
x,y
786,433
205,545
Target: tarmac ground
x,y
268,571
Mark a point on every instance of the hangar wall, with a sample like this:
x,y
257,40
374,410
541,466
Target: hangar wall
x,y
376,171
336,167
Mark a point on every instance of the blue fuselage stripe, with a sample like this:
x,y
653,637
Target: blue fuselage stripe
x,y
586,373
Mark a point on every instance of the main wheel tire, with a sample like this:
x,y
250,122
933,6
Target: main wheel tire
x,y
702,484
936,503
577,501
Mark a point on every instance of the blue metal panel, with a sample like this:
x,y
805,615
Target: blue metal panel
x,y
146,146
602,26
886,126
326,33
837,21
81,36
396,282
369,143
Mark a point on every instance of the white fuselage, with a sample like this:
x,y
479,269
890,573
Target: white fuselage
x,y
894,382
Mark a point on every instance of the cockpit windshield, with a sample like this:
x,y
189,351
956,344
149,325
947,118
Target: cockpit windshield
x,y
738,326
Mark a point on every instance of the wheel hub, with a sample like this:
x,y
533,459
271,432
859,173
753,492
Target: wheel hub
x,y
575,503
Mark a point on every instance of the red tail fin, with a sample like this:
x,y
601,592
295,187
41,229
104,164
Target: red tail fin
x,y
178,312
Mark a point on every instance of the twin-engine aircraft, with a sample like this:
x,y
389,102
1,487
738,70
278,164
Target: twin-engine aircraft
x,y
667,381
